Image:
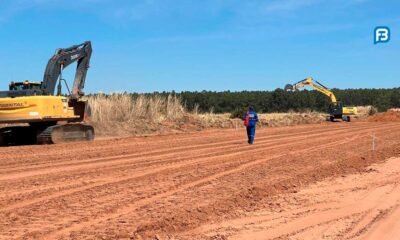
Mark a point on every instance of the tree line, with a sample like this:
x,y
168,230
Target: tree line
x,y
280,100
283,101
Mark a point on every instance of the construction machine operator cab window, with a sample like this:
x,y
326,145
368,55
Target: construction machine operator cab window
x,y
26,85
336,108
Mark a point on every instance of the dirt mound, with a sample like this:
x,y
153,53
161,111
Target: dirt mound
x,y
391,116
291,119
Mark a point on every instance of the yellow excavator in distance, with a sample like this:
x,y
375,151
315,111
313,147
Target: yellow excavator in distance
x,y
336,108
34,113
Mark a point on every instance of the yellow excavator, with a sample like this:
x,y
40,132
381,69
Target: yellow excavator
x,y
32,113
336,108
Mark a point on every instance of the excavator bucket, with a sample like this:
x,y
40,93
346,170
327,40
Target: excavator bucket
x,y
289,87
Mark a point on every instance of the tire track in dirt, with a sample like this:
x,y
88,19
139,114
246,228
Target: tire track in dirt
x,y
146,172
159,226
208,157
249,197
368,212
164,164
147,201
164,150
163,153
242,167
159,155
167,160
388,229
165,146
370,203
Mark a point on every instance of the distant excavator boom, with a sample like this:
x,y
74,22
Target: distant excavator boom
x,y
315,85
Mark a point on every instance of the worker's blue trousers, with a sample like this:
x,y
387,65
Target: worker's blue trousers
x,y
251,133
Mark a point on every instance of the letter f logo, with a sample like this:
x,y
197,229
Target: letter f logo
x,y
381,35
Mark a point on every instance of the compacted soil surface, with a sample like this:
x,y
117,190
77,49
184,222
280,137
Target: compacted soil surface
x,y
329,181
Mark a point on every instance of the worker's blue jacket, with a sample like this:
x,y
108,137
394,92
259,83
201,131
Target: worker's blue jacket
x,y
253,118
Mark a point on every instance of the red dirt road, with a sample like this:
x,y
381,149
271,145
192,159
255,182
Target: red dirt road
x,y
305,182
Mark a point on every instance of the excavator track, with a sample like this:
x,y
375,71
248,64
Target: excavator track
x,y
17,135
39,134
70,132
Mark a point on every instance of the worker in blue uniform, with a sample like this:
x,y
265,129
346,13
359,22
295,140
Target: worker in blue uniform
x,y
250,119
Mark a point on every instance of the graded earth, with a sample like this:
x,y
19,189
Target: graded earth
x,y
328,181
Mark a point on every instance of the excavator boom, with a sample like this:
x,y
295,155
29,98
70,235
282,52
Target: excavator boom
x,y
62,59
313,84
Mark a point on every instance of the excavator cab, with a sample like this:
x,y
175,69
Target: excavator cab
x,y
289,87
335,110
25,85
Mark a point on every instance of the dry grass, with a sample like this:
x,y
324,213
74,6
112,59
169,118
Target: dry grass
x,y
123,108
365,111
120,114
222,120
291,119
276,119
294,118
211,120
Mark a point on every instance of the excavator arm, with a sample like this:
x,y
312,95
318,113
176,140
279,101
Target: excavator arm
x,y
313,84
63,58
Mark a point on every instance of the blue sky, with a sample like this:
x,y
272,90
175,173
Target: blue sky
x,y
164,45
